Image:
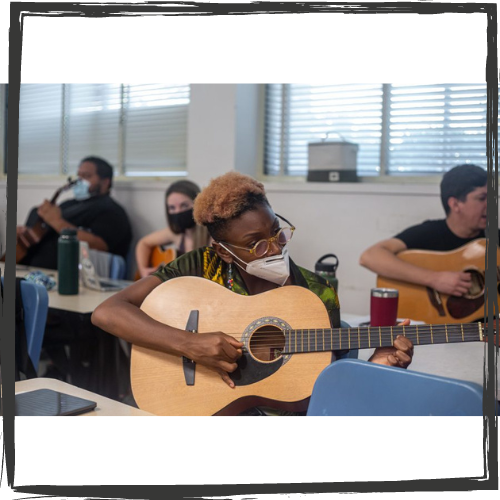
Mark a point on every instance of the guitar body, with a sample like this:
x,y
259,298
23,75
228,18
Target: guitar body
x,y
159,257
38,230
263,377
425,304
23,242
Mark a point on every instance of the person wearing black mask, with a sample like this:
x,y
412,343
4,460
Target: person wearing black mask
x,y
182,234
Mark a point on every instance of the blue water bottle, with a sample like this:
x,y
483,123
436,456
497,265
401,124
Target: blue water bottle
x,y
68,253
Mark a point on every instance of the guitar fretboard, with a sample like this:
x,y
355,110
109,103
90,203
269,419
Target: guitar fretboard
x,y
332,339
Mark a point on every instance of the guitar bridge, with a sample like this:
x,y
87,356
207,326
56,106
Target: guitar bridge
x,y
189,365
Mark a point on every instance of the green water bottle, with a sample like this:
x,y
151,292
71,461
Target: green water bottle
x,y
68,253
328,270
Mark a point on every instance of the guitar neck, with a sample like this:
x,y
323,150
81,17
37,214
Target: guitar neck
x,y
332,339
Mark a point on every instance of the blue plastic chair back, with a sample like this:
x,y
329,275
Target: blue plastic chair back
x,y
351,387
117,267
36,305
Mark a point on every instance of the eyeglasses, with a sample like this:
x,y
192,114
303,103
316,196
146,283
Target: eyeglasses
x,y
282,237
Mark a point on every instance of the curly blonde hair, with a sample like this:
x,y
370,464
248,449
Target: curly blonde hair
x,y
225,198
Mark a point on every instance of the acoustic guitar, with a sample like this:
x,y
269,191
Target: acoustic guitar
x,y
38,230
282,355
159,257
429,305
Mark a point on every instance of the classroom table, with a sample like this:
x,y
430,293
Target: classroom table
x,y
84,302
105,406
462,361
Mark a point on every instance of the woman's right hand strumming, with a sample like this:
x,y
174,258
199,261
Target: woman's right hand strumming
x,y
216,351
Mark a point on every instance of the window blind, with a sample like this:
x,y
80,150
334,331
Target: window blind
x,y
92,123
40,128
299,114
430,128
155,128
139,129
435,127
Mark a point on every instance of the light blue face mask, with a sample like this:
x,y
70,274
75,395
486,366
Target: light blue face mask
x,y
81,190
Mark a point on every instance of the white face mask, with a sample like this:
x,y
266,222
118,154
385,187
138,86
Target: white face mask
x,y
275,269
81,189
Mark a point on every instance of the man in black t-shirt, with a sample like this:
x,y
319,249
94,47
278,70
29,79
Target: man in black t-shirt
x,y
464,196
99,220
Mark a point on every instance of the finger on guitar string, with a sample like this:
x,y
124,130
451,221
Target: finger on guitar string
x,y
233,352
403,344
214,350
393,360
460,291
403,359
452,282
227,379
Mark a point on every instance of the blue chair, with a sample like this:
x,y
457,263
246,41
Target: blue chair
x,y
36,305
117,267
108,265
351,387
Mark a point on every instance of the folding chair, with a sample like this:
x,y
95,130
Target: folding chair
x,y
352,387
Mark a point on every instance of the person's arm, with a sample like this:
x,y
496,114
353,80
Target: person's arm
x,y
145,247
121,315
382,259
52,215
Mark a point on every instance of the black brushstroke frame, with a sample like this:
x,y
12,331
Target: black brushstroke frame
x,y
19,10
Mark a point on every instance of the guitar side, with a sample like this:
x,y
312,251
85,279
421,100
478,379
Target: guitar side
x,y
158,381
424,304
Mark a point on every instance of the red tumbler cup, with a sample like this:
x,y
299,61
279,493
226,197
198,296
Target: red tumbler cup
x,y
384,307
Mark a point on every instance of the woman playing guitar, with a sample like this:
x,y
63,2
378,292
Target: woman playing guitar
x,y
180,236
249,255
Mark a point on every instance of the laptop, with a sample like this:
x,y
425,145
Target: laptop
x,y
90,278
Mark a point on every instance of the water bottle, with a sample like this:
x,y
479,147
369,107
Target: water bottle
x,y
327,270
68,253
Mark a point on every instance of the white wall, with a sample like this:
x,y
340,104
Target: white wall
x,y
224,133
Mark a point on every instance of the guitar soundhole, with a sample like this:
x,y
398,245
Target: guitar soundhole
x,y
267,343
477,284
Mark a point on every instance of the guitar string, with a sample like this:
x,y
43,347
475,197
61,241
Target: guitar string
x,y
374,331
363,340
449,327
354,343
372,335
369,331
